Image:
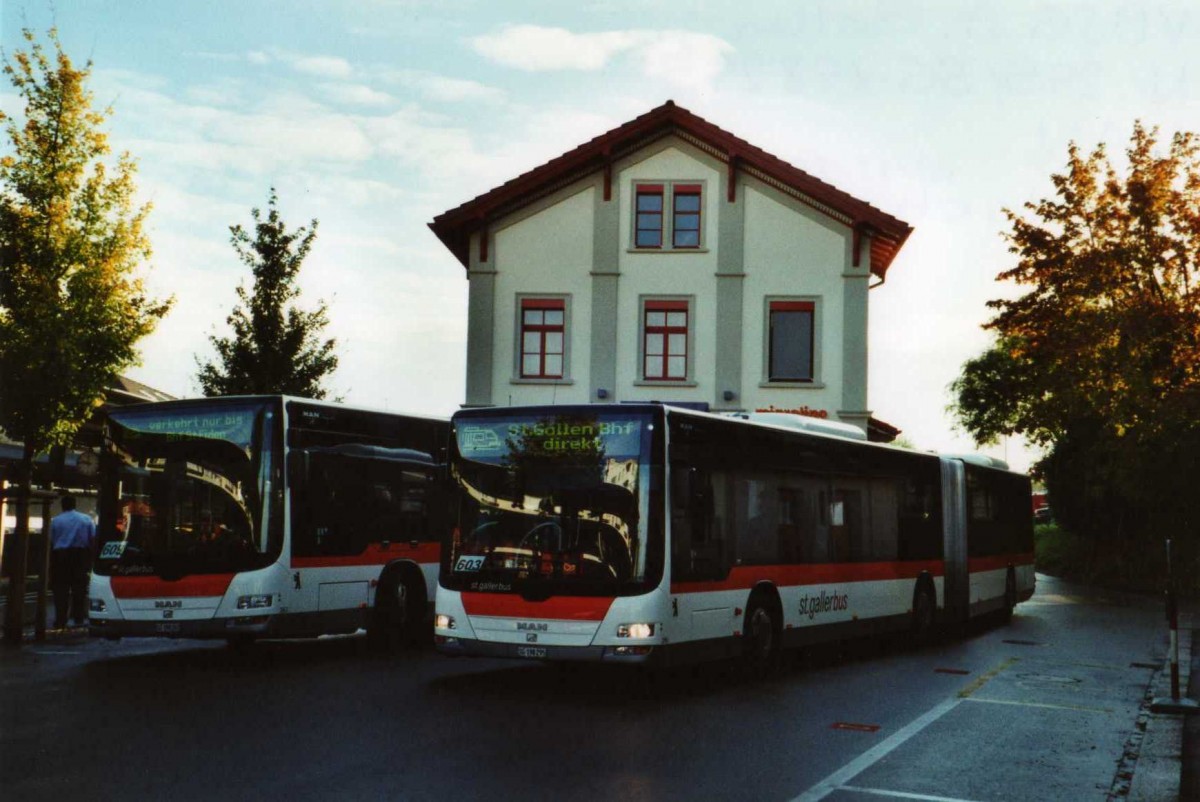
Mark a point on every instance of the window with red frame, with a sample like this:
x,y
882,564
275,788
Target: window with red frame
x,y
649,232
543,330
685,224
665,340
790,350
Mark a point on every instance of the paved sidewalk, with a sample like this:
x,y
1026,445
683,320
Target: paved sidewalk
x,y
1161,766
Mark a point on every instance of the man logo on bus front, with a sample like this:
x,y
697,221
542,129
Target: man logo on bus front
x,y
531,637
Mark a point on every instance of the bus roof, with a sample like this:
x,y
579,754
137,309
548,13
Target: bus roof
x,y
222,399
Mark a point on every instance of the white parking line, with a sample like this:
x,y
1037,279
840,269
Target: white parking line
x,y
872,756
902,794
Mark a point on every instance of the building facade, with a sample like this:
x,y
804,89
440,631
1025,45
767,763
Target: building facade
x,y
668,260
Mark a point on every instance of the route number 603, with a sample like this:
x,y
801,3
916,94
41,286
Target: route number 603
x,y
469,563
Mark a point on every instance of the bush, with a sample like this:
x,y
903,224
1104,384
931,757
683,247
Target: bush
x,y
1057,552
1119,564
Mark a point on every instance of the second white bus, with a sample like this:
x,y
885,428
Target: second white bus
x,y
267,516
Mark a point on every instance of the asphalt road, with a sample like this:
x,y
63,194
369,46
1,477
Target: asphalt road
x,y
1047,707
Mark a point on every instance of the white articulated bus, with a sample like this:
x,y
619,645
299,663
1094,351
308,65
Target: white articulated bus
x,y
652,534
267,516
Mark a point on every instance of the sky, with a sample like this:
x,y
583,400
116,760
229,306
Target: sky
x,y
374,116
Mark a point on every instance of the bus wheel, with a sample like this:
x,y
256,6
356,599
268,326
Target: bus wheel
x,y
760,638
924,611
391,620
1010,594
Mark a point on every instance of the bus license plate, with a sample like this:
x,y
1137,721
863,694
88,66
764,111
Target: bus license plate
x,y
531,651
166,629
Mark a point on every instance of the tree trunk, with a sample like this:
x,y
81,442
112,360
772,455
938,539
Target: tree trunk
x,y
14,618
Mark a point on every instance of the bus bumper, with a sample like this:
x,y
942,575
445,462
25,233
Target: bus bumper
x,y
629,655
205,629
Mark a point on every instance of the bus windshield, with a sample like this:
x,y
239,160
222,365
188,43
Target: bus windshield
x,y
190,489
553,503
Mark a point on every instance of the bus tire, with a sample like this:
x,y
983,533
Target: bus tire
x,y
1010,594
760,636
924,614
392,624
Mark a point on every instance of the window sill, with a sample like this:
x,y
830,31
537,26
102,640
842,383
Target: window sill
x,y
666,250
792,385
664,383
542,381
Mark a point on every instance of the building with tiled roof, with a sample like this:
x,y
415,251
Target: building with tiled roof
x,y
670,260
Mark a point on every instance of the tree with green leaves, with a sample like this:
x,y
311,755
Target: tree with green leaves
x,y
1099,360
71,240
275,346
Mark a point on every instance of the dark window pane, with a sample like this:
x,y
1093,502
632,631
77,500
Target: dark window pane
x,y
687,203
687,239
791,345
649,221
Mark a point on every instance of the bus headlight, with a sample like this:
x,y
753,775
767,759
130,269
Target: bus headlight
x,y
254,602
635,630
443,621
97,605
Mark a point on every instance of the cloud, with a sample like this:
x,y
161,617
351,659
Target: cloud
x,y
325,66
440,87
681,58
535,48
354,94
687,60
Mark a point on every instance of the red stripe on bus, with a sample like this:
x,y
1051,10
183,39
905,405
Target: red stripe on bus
x,y
744,577
565,608
375,554
152,587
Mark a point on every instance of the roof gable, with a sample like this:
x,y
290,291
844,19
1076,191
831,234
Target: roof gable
x,y
455,226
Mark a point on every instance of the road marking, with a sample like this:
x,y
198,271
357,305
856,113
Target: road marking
x,y
881,750
873,755
846,725
986,678
50,652
1040,704
902,794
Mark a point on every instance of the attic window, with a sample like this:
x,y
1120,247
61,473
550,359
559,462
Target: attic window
x,y
649,231
685,225
668,216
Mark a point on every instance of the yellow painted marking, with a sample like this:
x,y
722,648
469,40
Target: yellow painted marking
x,y
966,692
1080,708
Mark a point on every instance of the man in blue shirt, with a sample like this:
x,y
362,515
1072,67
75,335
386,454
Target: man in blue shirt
x,y
72,543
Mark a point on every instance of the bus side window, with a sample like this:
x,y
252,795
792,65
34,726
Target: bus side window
x,y
760,518
885,520
698,549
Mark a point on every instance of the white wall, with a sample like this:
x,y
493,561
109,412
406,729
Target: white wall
x,y
668,273
789,252
546,253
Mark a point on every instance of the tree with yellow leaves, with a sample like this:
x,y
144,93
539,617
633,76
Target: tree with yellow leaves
x,y
71,239
1099,359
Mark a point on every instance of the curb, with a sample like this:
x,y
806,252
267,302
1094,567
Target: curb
x,y
1157,777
